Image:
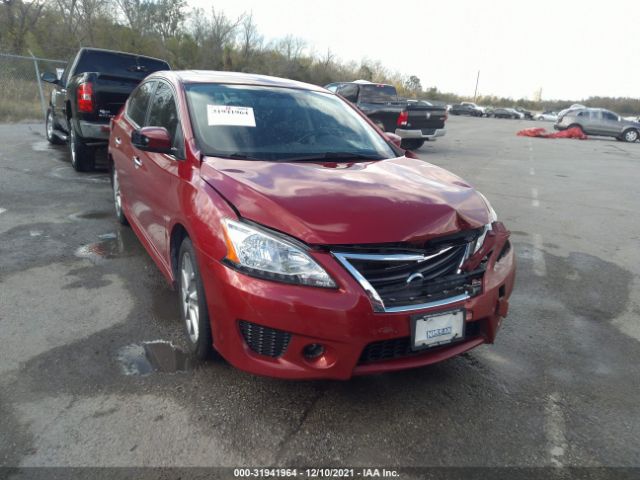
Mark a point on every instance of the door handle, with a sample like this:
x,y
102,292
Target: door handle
x,y
137,162
118,141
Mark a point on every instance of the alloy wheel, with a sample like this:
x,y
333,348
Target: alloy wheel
x,y
631,136
49,125
189,297
117,197
72,147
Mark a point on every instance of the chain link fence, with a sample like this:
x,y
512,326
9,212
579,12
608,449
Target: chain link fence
x,y
23,96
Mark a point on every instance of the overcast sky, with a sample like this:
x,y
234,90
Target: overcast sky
x,y
570,49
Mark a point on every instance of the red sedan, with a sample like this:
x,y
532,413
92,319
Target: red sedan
x,y
302,241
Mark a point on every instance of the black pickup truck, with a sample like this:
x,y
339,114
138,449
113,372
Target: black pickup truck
x,y
92,89
413,120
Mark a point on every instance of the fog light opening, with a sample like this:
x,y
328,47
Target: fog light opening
x,y
313,351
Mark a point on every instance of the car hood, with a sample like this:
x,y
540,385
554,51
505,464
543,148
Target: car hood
x,y
395,200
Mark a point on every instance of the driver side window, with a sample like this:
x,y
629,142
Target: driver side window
x,y
163,113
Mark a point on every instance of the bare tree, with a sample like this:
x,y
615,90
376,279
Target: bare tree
x,y
291,47
168,17
20,18
213,34
251,40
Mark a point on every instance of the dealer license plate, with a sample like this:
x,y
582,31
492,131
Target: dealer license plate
x,y
430,330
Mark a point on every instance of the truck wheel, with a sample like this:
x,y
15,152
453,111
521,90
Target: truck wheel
x,y
411,144
630,135
50,125
82,156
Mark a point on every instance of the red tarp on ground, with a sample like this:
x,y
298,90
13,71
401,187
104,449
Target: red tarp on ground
x,y
575,132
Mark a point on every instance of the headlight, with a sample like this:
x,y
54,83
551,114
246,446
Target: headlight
x,y
493,216
256,252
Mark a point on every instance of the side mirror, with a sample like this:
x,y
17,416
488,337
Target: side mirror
x,y
50,78
393,138
152,139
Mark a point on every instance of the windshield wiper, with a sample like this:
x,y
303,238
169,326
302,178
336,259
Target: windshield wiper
x,y
233,156
333,156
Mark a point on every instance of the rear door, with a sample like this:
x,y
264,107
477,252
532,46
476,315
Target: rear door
x,y
156,176
124,154
596,123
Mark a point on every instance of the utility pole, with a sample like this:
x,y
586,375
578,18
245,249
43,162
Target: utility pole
x,y
475,93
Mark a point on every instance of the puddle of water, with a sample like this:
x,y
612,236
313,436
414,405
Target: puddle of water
x,y
67,173
91,215
41,146
151,357
110,246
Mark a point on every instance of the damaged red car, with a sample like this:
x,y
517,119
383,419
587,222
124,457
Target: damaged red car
x,y
302,241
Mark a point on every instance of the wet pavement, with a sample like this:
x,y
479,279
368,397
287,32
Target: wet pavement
x,y
92,363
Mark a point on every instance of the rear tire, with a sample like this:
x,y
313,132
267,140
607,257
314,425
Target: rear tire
x,y
49,128
411,144
193,305
631,135
82,156
117,197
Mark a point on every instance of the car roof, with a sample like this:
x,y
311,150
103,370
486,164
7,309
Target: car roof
x,y
236,78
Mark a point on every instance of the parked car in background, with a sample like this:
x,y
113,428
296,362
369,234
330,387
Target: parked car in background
x,y
473,105
465,109
505,113
547,115
91,90
526,114
302,243
598,121
413,121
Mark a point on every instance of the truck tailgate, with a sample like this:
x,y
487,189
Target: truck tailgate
x,y
111,92
425,118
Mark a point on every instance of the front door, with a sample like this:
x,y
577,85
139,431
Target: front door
x,y
157,173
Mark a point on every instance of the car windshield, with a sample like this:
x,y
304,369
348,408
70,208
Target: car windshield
x,y
275,123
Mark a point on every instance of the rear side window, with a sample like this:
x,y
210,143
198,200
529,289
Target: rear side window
x,y
378,94
118,64
138,103
163,113
349,91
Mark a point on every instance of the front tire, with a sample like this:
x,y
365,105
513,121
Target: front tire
x,y
631,135
82,156
411,144
193,305
49,128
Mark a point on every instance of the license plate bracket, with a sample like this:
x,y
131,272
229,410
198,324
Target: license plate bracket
x,y
429,330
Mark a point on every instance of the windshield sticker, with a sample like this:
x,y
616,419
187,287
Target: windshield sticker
x,y
230,116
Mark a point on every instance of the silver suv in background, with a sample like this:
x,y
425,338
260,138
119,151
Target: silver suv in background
x,y
598,121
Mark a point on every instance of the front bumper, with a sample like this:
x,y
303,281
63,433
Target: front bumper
x,y
342,320
425,134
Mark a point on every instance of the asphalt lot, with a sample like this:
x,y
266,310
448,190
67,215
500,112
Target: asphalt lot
x,y
559,388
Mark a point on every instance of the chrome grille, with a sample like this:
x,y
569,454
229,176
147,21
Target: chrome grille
x,y
409,281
